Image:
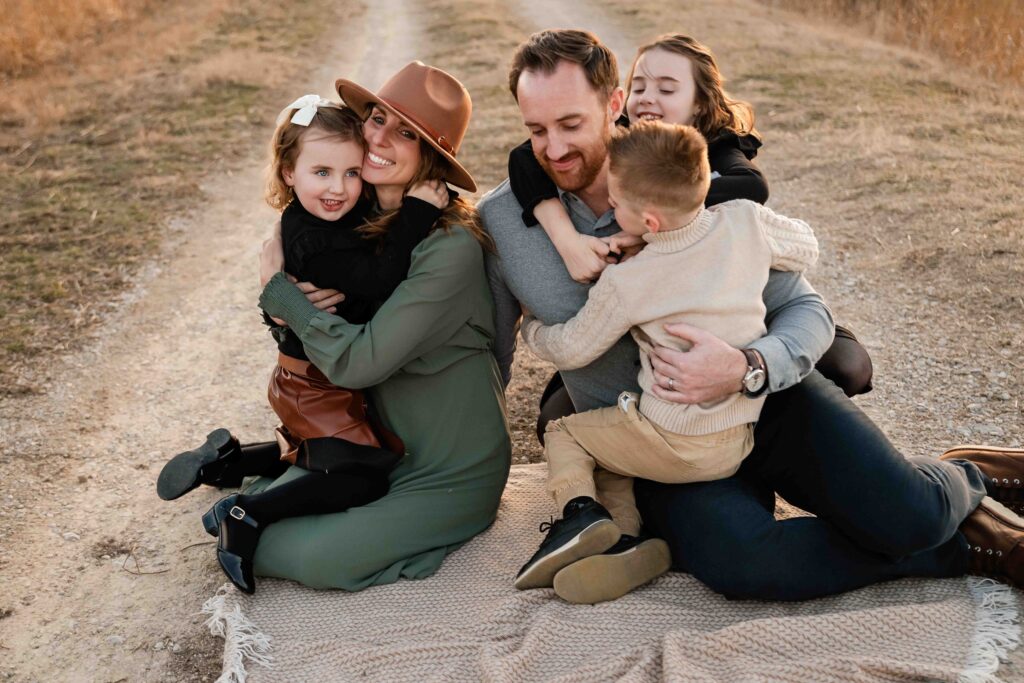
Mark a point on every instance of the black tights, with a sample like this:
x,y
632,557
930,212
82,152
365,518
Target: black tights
x,y
342,475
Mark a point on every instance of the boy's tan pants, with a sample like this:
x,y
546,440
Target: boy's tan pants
x,y
597,453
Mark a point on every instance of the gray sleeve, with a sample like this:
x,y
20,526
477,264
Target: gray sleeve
x,y
800,329
507,316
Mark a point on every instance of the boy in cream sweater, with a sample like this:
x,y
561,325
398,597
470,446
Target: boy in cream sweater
x,y
704,267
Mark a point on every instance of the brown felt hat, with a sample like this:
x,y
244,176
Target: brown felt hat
x,y
429,100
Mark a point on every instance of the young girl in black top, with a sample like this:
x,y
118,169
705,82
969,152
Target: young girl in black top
x,y
674,79
316,158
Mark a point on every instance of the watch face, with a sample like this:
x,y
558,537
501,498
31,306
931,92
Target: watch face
x,y
753,380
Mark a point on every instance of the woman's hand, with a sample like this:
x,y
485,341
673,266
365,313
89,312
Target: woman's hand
x,y
271,256
624,245
431,191
324,299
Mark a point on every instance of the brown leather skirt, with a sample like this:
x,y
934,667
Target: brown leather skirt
x,y
310,406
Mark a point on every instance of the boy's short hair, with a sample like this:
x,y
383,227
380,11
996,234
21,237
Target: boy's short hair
x,y
660,164
545,49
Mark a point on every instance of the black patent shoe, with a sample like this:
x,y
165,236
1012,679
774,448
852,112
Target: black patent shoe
x,y
586,529
236,546
203,465
217,513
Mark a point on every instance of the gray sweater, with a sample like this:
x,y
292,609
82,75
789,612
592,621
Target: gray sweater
x,y
528,269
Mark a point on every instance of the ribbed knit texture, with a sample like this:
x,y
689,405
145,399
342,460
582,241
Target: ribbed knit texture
x,y
468,624
709,273
281,299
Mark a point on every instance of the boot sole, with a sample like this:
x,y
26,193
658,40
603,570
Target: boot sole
x,y
600,578
593,540
181,473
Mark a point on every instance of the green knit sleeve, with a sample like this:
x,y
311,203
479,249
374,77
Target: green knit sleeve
x,y
426,310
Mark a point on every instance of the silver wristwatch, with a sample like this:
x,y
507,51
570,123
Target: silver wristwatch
x,y
755,381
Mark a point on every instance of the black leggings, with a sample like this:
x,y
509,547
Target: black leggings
x,y
846,363
342,475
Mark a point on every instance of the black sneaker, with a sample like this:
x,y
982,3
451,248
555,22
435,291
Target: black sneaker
x,y
628,564
587,529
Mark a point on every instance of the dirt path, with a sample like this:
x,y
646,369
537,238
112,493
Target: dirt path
x,y
79,519
187,353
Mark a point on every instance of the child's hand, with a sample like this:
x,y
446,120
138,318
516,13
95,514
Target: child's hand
x,y
584,256
622,245
431,191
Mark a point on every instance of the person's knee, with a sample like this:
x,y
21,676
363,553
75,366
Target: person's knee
x,y
848,365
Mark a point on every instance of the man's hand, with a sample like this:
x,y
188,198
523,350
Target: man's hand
x,y
711,370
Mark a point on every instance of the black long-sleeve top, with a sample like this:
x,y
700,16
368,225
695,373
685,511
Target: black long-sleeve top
x,y
333,255
730,156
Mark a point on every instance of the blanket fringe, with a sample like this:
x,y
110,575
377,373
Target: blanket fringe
x,y
242,641
996,631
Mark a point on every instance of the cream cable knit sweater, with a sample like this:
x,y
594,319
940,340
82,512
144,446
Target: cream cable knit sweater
x,y
710,274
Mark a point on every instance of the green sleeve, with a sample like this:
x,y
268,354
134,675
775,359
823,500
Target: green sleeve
x,y
426,310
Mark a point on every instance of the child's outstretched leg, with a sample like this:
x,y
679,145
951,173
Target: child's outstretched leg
x,y
239,520
220,462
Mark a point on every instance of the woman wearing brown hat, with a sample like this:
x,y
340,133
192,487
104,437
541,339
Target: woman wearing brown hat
x,y
424,359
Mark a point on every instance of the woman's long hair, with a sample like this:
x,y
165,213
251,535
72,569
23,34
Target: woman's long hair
x,y
715,111
459,212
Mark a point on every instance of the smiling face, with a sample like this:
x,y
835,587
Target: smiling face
x,y
662,88
393,151
325,177
569,121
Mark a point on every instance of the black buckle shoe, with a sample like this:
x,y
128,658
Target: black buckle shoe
x,y
236,546
630,563
216,514
203,465
586,530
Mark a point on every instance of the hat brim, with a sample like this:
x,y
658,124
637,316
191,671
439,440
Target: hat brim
x,y
362,101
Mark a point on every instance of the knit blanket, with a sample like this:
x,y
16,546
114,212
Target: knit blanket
x,y
467,623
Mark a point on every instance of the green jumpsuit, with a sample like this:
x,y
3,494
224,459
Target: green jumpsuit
x,y
426,360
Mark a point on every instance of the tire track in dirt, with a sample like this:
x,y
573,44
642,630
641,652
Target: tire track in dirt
x,y
187,353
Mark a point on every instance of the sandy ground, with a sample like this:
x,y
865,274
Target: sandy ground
x,y
99,580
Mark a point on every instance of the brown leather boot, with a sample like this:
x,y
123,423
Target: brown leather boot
x,y
1003,467
996,536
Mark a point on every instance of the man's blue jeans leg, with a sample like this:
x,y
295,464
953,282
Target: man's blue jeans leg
x,y
879,516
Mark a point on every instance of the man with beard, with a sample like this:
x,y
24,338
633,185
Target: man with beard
x,y
879,516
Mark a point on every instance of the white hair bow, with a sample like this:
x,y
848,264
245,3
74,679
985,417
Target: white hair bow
x,y
307,106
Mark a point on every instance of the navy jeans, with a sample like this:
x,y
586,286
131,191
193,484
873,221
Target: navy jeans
x,y
879,516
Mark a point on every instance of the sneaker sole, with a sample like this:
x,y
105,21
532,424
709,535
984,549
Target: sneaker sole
x,y
600,578
181,473
593,540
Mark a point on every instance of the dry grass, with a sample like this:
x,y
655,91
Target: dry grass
x,y
986,35
95,158
37,32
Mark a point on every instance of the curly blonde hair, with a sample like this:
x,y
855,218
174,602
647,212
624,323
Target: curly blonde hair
x,y
715,110
336,121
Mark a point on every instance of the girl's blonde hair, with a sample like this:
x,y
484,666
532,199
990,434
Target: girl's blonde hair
x,y
460,212
336,121
715,111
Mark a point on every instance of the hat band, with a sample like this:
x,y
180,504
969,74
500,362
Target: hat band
x,y
440,140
